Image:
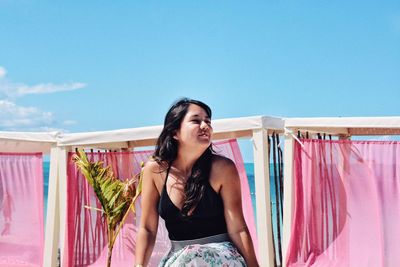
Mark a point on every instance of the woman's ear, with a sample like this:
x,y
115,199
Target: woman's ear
x,y
175,136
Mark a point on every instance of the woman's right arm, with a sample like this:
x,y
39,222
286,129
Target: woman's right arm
x,y
149,215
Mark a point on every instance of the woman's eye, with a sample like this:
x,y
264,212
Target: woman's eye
x,y
199,121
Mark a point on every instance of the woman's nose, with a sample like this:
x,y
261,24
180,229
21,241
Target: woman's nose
x,y
204,125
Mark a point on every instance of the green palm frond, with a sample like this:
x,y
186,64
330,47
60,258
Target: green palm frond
x,y
115,196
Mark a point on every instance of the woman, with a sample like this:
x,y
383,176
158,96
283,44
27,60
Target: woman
x,y
196,192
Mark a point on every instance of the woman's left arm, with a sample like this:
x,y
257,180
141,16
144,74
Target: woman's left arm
x,y
231,195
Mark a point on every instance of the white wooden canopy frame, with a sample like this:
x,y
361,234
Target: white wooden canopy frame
x,y
257,128
58,145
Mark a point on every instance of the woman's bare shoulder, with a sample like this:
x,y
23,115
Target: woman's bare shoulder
x,y
152,165
219,161
153,168
224,173
223,169
154,172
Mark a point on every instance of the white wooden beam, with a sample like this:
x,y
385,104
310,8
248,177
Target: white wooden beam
x,y
62,173
52,234
288,195
266,256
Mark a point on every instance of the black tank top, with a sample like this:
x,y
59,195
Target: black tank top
x,y
207,218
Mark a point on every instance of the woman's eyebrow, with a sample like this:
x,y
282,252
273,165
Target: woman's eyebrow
x,y
197,116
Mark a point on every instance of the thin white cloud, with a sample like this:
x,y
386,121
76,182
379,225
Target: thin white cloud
x,y
49,129
11,89
3,72
21,90
14,117
27,118
384,138
18,89
69,122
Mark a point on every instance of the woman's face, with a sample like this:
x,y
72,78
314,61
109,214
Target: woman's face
x,y
195,129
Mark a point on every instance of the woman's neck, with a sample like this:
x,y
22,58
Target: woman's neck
x,y
184,162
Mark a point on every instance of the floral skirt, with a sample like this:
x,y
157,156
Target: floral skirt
x,y
197,254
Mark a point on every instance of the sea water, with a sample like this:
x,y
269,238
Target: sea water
x,y
46,170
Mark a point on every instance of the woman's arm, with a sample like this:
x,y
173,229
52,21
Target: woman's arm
x,y
232,198
149,217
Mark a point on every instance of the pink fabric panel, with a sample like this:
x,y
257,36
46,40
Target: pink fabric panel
x,y
231,150
86,243
347,204
21,210
86,238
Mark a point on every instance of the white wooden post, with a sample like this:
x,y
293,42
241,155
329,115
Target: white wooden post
x,y
266,255
288,197
52,231
62,173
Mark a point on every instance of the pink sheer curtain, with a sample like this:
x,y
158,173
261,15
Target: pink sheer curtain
x,y
21,209
86,243
86,235
231,150
347,204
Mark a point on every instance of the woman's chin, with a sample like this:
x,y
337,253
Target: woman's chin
x,y
205,142
202,145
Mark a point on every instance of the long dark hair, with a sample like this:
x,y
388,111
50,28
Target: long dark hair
x,y
167,150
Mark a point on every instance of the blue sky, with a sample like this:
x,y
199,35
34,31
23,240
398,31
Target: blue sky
x,y
99,65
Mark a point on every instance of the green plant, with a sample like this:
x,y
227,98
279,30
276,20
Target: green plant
x,y
115,196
